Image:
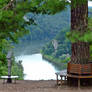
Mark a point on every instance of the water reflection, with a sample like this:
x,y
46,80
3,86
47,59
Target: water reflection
x,y
36,68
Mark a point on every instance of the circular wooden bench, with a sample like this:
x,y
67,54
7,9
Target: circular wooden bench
x,y
79,69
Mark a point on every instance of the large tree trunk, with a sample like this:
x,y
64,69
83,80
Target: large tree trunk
x,y
80,50
79,22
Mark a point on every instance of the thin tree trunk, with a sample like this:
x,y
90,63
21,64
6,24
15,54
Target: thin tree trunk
x,y
79,22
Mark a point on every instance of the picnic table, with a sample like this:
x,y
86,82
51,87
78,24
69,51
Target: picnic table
x,y
6,77
63,76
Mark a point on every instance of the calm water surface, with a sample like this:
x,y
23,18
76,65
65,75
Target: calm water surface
x,y
36,68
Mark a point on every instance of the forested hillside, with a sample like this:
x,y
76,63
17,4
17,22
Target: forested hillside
x,y
47,25
46,29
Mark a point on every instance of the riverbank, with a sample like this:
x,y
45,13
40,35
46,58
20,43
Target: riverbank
x,y
61,64
39,86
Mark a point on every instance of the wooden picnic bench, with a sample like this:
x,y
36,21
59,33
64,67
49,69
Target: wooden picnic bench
x,y
79,71
12,77
63,76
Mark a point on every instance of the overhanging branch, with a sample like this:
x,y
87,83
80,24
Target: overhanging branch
x,y
9,5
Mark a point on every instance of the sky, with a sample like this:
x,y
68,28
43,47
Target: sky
x,y
90,3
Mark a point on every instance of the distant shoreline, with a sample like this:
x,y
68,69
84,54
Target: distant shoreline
x,y
59,64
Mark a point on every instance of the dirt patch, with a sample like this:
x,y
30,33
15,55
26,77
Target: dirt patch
x,y
39,86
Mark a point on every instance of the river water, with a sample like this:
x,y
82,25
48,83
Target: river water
x,y
36,68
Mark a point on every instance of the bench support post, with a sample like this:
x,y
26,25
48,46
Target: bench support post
x,y
9,80
57,78
78,82
61,79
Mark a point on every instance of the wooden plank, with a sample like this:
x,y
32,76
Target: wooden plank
x,y
79,68
79,76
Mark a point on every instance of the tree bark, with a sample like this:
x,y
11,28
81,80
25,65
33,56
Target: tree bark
x,y
79,22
